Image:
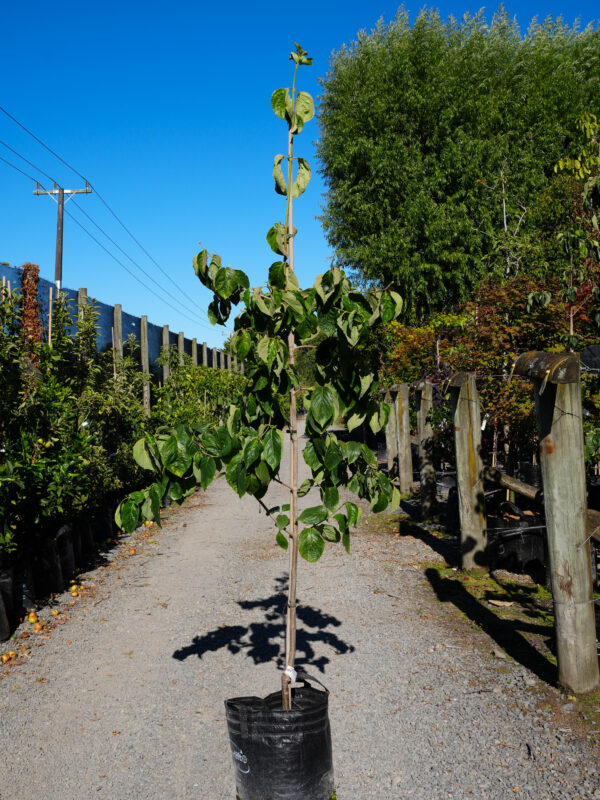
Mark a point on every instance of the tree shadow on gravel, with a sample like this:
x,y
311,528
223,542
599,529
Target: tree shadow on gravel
x,y
505,632
263,641
448,546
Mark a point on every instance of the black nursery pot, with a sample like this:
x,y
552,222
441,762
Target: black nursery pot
x,y
281,755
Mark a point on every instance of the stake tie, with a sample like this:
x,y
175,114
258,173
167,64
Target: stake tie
x,y
291,673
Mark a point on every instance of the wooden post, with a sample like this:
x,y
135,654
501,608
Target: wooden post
x,y
557,388
424,390
405,468
195,352
214,358
391,433
204,355
165,349
81,301
118,329
180,347
466,419
145,362
236,367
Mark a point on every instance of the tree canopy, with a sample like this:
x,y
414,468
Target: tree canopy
x,y
438,143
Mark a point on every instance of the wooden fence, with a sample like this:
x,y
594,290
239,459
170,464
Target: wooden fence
x,y
569,525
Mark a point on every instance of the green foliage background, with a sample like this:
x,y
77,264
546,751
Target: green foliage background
x,y
427,129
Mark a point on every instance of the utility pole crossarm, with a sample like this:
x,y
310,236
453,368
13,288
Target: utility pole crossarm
x,y
60,192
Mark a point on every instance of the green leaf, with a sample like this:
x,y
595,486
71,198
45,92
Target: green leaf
x,y
365,383
332,456
355,420
396,497
282,521
175,491
346,541
313,515
281,540
280,100
262,473
241,343
311,455
305,487
330,534
311,544
291,300
251,452
275,240
330,496
322,405
388,308
280,184
144,456
208,468
353,513
127,515
277,275
302,178
272,448
305,107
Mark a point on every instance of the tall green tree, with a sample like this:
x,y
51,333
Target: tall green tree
x,y
438,138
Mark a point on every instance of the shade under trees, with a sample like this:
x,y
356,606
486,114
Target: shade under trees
x,y
438,142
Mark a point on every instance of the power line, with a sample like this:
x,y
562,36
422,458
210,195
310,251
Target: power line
x,y
18,170
31,164
133,275
196,320
102,200
139,266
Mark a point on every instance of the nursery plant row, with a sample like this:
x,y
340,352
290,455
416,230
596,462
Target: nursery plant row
x,y
69,417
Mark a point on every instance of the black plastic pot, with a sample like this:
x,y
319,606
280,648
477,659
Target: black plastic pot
x,y
47,572
84,527
66,554
10,594
5,627
281,755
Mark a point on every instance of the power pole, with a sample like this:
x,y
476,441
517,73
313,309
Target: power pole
x,y
60,192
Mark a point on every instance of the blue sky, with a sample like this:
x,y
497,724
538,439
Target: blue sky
x,y
165,108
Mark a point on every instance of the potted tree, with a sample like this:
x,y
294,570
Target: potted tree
x,y
281,744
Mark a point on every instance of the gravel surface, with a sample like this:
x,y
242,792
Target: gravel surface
x,y
124,697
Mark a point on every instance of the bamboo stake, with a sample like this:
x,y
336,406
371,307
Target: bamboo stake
x,y
290,628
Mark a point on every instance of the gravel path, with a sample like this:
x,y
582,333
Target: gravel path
x,y
124,699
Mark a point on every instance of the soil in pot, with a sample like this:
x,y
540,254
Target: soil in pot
x,y
281,755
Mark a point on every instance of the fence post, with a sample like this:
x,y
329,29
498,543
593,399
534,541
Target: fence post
x,y
118,330
81,301
391,432
180,346
145,362
466,419
424,392
165,350
204,355
214,358
557,389
405,468
228,361
195,352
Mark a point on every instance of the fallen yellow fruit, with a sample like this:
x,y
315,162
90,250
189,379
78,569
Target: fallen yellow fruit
x,y
74,594
5,658
12,654
32,617
54,613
